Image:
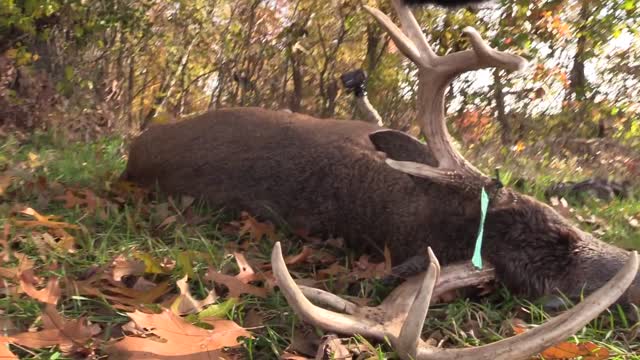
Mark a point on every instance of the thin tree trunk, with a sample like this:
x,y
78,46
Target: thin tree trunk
x,y
501,115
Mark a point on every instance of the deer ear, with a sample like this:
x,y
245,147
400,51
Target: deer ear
x,y
402,147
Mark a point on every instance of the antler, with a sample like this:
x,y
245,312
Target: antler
x,y
435,73
401,315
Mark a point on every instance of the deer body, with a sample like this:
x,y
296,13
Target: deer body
x,y
330,177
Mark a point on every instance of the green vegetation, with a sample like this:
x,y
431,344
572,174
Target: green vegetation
x,y
140,227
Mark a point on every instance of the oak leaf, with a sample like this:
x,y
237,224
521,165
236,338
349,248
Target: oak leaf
x,y
5,353
49,295
45,221
186,304
567,350
180,338
256,229
236,286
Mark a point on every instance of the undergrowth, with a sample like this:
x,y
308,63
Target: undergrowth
x,y
136,226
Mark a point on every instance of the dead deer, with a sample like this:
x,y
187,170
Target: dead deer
x,y
375,186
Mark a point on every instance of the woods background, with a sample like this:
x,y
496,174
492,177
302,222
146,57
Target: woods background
x,y
89,67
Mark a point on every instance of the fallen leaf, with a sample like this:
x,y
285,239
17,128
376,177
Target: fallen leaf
x,y
5,182
68,335
333,270
299,258
45,221
49,295
290,356
71,200
236,286
567,350
5,353
332,348
253,318
181,338
246,274
121,267
363,269
217,311
256,229
185,303
151,265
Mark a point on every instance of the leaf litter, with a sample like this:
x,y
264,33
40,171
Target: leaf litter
x,y
167,319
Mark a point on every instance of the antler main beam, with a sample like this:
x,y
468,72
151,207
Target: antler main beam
x,y
401,315
434,76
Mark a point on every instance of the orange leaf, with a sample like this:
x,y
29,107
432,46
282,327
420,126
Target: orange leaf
x,y
567,350
333,270
299,258
5,353
48,295
57,331
40,220
6,180
181,338
236,286
121,267
257,230
246,274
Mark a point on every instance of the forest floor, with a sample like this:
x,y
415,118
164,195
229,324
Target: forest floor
x,y
91,267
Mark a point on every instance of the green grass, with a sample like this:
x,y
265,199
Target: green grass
x,y
134,226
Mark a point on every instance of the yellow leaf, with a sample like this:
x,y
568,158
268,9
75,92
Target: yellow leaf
x,y
151,265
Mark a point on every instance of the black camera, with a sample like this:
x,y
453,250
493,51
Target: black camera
x,y
354,81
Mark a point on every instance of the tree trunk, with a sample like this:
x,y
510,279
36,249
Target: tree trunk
x,y
501,114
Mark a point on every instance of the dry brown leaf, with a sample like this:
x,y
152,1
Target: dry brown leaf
x,y
5,353
49,295
567,350
363,269
185,303
70,200
121,297
45,221
6,180
332,348
121,267
68,335
181,338
4,242
246,274
64,240
299,258
236,286
253,318
334,270
290,356
256,229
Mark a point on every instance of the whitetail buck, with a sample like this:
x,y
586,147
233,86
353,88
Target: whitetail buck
x,y
375,186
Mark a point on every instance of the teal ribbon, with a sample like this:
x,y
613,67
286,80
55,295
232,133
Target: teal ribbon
x,y
484,205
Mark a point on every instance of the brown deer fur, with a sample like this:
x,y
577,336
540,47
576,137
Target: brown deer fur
x,y
330,177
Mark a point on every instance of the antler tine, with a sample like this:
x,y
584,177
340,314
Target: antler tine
x,y
328,299
325,319
407,342
403,43
412,29
525,345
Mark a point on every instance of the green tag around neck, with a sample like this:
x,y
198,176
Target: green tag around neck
x,y
484,205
